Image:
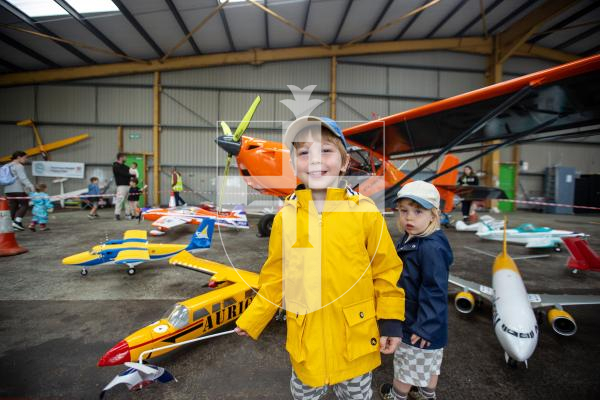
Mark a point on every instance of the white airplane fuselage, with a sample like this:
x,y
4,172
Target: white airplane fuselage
x,y
514,236
515,323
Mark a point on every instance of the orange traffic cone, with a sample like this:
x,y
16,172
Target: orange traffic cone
x,y
172,200
8,243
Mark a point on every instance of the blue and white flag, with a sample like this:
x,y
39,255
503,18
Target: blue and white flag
x,y
138,376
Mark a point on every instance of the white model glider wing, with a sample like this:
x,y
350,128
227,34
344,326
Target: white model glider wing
x,y
540,243
483,291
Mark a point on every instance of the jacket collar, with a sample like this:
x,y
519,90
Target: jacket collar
x,y
302,197
408,244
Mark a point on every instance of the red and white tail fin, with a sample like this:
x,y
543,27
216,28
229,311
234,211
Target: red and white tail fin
x,y
449,179
582,255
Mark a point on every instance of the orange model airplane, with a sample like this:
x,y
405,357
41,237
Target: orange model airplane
x,y
167,218
539,106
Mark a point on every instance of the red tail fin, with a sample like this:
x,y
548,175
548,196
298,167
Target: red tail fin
x,y
449,179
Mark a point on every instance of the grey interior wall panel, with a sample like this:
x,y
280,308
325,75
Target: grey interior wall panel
x,y
352,110
361,79
527,65
234,105
13,138
17,103
100,147
541,155
189,107
266,76
397,106
413,82
453,83
124,105
193,147
136,140
75,104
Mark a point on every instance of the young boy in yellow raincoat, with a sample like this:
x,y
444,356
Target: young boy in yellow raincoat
x,y
333,267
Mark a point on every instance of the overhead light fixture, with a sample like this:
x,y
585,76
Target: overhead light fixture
x,y
47,8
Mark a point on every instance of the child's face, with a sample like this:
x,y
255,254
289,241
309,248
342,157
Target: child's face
x,y
413,218
318,162
132,184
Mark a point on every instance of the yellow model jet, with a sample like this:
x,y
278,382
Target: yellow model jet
x,y
190,318
134,249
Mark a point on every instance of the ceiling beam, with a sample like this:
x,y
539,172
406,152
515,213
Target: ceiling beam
x,y
475,20
512,15
41,28
305,22
182,26
379,18
564,22
87,25
341,24
410,23
139,28
578,37
226,27
11,66
475,45
517,34
24,49
446,18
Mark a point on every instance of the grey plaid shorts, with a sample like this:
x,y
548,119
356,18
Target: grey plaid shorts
x,y
358,388
415,366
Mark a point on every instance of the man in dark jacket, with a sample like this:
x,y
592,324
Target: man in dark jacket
x,y
122,178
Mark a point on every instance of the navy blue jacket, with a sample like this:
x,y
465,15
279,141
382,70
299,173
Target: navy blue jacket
x,y
426,263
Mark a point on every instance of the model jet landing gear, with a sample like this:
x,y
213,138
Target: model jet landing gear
x,y
557,248
131,271
84,272
511,362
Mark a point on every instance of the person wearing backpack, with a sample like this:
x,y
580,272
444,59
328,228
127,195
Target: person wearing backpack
x,y
19,188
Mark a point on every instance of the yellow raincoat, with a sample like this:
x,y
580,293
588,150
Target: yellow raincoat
x,y
332,332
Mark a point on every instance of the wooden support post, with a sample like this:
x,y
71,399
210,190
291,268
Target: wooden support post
x,y
120,139
516,153
333,89
156,138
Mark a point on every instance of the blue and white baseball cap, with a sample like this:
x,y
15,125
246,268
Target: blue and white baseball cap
x,y
421,192
303,122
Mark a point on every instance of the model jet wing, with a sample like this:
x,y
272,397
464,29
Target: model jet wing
x,y
133,256
548,300
135,236
483,291
220,272
169,222
541,243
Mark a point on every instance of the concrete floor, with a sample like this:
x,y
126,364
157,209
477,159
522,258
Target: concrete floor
x,y
55,325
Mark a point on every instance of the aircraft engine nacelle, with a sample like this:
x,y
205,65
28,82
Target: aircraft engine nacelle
x,y
562,322
464,302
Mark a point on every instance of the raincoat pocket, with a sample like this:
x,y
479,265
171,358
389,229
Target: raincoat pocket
x,y
362,334
295,332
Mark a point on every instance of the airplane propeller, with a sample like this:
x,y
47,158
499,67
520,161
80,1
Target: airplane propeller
x,y
230,142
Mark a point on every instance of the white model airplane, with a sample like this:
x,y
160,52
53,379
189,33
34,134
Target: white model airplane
x,y
540,237
515,323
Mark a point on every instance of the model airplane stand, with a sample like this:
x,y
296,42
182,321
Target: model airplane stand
x,y
583,257
8,242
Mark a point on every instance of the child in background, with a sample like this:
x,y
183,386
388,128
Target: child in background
x,y
333,337
133,171
133,198
41,207
93,190
426,256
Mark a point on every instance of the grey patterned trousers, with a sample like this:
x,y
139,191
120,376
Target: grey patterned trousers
x,y
358,388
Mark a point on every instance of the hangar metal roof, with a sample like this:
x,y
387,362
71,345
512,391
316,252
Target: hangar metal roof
x,y
149,29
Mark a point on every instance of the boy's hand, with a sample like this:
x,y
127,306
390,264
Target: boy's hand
x,y
415,339
240,332
389,344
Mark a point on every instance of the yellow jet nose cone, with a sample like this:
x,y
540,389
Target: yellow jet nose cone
x,y
79,258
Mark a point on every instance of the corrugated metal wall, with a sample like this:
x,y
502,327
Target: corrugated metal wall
x,y
193,101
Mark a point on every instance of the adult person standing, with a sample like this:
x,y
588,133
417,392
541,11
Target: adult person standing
x,y
19,188
122,178
467,178
177,186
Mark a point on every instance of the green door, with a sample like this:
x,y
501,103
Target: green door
x,y
507,183
141,168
